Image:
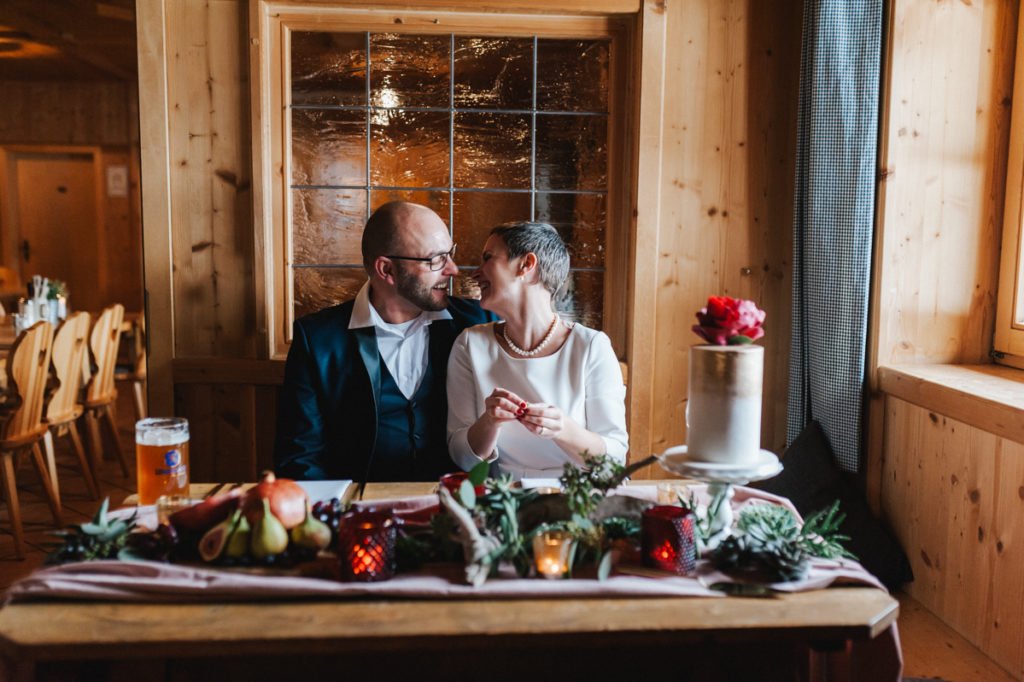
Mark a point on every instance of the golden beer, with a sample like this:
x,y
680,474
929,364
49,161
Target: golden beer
x,y
161,458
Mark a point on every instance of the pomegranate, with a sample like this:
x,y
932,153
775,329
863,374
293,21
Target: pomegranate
x,y
286,497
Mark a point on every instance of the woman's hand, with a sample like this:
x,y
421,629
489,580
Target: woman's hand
x,y
546,421
502,406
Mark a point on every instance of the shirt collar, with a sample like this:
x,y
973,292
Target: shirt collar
x,y
365,315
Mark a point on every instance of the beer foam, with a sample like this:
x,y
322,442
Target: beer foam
x,y
161,438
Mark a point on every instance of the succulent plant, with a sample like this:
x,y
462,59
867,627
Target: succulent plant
x,y
101,538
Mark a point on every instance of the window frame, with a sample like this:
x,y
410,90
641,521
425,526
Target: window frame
x,y
1008,346
271,26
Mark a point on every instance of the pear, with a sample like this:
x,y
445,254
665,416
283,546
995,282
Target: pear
x,y
268,536
312,533
238,543
213,542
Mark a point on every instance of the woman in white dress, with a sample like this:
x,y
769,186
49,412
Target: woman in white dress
x,y
533,392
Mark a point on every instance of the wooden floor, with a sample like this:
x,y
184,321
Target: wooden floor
x,y
930,648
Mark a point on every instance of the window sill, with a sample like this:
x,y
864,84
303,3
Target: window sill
x,y
988,397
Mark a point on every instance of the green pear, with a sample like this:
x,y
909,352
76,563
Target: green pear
x,y
238,543
268,536
312,533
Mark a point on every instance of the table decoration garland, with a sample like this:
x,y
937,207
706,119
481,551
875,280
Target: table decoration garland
x,y
597,520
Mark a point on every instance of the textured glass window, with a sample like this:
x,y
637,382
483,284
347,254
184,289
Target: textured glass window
x,y
483,130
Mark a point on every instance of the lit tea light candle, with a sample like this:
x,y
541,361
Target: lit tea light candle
x,y
366,546
667,540
552,550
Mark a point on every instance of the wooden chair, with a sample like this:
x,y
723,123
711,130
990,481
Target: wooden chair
x,y
70,350
136,372
100,394
28,369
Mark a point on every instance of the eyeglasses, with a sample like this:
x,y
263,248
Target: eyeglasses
x,y
434,262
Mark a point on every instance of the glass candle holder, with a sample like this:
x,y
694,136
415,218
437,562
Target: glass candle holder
x,y
168,504
667,541
453,481
552,550
366,546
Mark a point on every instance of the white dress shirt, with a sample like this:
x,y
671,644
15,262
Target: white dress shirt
x,y
404,346
582,379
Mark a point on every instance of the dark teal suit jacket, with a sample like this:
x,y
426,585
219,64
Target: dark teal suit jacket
x,y
327,407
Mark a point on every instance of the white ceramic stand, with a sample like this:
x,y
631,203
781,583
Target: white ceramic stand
x,y
720,479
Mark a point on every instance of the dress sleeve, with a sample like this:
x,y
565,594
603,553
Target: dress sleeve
x,y
606,397
463,410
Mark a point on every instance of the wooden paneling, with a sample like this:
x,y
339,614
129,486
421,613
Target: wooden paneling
x,y
944,139
954,495
210,178
988,397
726,176
231,428
50,112
947,120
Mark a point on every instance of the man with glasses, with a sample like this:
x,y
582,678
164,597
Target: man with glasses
x,y
364,390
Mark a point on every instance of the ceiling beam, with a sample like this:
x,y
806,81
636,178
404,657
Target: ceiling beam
x,y
43,32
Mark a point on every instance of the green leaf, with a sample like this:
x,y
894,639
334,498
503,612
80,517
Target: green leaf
x,y
114,531
101,514
739,340
467,495
478,474
94,529
604,568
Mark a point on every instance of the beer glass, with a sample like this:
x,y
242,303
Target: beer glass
x,y
161,457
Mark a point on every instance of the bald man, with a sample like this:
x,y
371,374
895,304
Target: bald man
x,y
364,389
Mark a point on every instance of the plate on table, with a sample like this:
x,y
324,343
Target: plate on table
x,y
319,491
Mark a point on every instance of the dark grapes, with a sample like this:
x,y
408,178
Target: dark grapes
x,y
330,513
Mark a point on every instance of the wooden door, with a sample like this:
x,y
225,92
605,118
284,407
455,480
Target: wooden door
x,y
56,222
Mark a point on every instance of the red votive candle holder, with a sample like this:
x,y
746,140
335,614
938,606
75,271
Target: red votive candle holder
x,y
454,480
366,546
666,539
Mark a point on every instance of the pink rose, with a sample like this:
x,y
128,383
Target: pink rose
x,y
726,320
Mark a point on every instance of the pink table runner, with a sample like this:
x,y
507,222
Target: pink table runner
x,y
879,659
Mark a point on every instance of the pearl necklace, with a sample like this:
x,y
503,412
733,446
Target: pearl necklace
x,y
538,348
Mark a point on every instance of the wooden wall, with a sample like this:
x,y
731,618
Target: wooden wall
x,y
943,159
68,112
955,496
103,116
951,491
728,146
722,155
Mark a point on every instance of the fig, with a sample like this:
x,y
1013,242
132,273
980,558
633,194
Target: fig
x,y
215,539
311,533
268,536
238,543
201,517
286,497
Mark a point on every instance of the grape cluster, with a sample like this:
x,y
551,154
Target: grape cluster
x,y
330,513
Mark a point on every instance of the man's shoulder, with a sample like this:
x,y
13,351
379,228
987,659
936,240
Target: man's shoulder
x,y
467,311
329,320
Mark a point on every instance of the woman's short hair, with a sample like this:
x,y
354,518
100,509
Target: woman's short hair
x,y
542,240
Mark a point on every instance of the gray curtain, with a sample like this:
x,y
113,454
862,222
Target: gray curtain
x,y
834,218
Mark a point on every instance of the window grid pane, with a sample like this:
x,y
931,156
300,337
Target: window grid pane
x,y
523,142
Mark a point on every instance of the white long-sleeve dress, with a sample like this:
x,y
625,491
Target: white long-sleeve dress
x,y
582,379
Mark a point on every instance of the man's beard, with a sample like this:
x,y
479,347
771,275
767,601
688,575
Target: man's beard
x,y
419,294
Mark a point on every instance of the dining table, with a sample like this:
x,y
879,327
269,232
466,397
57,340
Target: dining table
x,y
839,633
